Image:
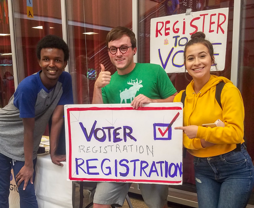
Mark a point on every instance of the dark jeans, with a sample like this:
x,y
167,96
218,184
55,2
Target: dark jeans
x,y
224,181
27,196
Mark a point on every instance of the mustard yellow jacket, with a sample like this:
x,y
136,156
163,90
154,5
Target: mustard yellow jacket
x,y
203,108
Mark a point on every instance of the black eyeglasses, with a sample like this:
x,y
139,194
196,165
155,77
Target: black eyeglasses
x,y
123,49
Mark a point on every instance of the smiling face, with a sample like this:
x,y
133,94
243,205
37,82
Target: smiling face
x,y
124,63
198,62
52,64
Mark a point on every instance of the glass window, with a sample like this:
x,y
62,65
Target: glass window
x,y
89,21
6,68
149,9
246,72
31,24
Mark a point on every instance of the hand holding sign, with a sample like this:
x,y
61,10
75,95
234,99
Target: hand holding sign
x,y
140,100
103,78
140,146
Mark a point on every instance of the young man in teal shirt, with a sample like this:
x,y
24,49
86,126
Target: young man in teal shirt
x,y
138,84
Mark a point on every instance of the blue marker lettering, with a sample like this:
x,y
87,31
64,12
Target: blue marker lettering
x,y
162,63
143,167
127,131
100,139
91,167
126,166
116,168
175,43
77,165
107,167
115,135
161,171
135,160
153,169
181,51
84,130
166,168
179,167
186,41
172,165
109,131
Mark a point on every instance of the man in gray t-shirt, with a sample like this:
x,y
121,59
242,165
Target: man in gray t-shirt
x,y
38,98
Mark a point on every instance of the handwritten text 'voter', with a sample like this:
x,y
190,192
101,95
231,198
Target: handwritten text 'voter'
x,y
108,133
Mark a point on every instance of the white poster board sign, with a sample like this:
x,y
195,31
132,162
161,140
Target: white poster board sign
x,y
170,34
120,144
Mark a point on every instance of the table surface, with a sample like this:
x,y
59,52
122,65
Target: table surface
x,y
51,185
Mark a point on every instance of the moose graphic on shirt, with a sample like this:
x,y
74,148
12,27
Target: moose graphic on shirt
x,y
131,92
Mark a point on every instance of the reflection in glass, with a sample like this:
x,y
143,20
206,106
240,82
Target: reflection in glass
x,y
88,24
246,72
29,30
6,69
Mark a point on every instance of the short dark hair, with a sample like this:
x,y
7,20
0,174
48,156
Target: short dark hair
x,y
51,41
118,32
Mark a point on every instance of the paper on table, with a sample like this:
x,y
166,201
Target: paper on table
x,y
217,123
44,139
45,143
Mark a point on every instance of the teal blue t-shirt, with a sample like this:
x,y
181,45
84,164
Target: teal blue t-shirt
x,y
148,79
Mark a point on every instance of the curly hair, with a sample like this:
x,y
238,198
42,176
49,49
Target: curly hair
x,y
51,41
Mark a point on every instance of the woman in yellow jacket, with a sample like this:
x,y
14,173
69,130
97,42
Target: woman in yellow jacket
x,y
224,174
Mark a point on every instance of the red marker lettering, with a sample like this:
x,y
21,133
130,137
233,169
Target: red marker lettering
x,y
167,29
203,24
219,24
177,29
158,31
194,26
184,25
211,23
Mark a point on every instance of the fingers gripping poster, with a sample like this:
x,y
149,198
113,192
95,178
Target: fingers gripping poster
x,y
170,34
117,143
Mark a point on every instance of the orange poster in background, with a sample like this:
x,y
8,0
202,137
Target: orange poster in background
x,y
30,12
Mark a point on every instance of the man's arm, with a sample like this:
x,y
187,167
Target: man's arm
x,y
26,172
56,126
102,80
141,99
97,95
177,9
168,99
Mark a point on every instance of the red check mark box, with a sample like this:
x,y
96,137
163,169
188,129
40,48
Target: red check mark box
x,y
161,131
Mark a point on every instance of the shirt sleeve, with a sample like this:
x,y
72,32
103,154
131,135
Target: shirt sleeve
x,y
105,100
67,96
233,117
178,96
25,100
165,85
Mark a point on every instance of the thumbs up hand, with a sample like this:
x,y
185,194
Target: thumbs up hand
x,y
103,78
